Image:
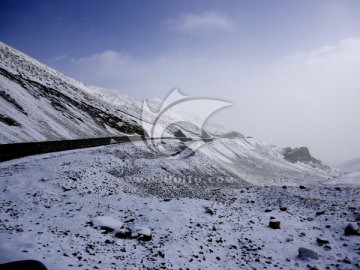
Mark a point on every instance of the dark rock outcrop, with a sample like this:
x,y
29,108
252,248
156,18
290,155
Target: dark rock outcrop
x,y
301,154
352,229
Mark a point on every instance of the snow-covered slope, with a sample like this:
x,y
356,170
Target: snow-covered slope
x,y
38,103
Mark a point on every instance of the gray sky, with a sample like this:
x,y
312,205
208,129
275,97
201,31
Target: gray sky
x,y
290,68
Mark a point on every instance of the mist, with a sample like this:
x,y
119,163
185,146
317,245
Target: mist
x,y
302,99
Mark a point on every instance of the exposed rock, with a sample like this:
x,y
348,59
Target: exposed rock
x,y
308,253
320,213
161,254
321,241
352,229
123,233
301,154
143,234
274,224
210,211
144,237
8,120
24,264
12,101
129,220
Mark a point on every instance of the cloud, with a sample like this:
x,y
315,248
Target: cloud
x,y
347,51
100,67
107,58
60,57
209,20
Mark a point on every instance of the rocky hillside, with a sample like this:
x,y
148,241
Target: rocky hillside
x,y
38,103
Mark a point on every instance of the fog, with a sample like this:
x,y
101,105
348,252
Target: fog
x,y
302,99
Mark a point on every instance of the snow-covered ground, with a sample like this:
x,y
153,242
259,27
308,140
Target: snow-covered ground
x,y
212,221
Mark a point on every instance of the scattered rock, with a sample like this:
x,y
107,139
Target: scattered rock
x,y
232,247
283,208
129,220
210,211
321,241
123,233
106,223
161,254
302,187
308,253
352,229
143,234
274,224
320,213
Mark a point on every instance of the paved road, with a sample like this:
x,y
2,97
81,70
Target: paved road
x,y
18,150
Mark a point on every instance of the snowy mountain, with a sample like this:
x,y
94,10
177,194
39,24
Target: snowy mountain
x,y
352,173
37,103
